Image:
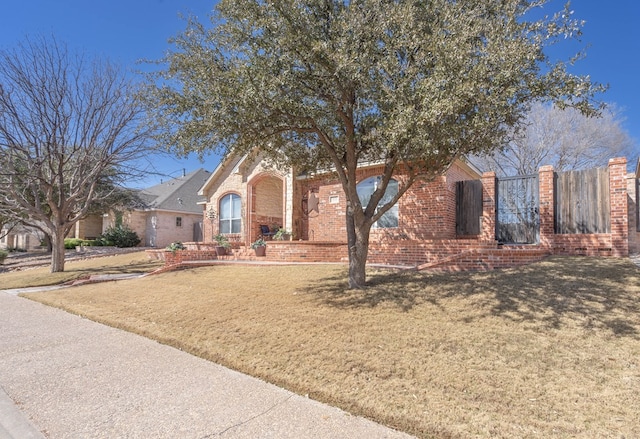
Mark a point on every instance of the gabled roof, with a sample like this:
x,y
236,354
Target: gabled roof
x,y
232,159
178,194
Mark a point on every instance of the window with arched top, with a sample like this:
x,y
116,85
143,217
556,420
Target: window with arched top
x,y
229,212
366,188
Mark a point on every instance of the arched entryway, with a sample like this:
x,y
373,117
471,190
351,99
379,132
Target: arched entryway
x,y
266,204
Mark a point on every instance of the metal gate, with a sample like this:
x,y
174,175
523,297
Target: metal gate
x,y
517,207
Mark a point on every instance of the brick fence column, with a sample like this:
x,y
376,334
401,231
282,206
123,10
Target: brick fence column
x,y
618,203
488,232
546,188
632,213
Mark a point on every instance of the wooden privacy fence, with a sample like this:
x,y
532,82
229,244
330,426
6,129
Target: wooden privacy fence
x,y
582,202
581,205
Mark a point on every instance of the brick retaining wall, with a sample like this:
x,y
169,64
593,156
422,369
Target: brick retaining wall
x,y
442,254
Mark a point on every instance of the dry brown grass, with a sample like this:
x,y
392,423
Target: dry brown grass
x,y
548,350
137,262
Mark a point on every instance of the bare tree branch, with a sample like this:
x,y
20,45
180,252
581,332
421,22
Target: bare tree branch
x,y
565,139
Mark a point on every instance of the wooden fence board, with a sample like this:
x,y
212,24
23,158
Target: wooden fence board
x,y
582,201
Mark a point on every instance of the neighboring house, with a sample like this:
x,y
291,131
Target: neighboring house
x,y
172,212
88,228
20,238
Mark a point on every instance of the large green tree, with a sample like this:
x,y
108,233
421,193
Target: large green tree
x,y
319,84
70,133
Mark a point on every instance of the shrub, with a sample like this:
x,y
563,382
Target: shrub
x,y
3,255
222,240
282,235
176,246
121,236
92,242
71,243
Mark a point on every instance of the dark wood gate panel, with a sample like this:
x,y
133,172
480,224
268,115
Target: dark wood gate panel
x,y
582,201
517,208
468,207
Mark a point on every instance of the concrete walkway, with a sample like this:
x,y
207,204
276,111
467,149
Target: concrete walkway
x,y
62,376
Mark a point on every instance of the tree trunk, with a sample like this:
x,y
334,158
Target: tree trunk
x,y
58,251
358,241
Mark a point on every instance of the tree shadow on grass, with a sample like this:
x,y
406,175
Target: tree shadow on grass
x,y
404,290
594,293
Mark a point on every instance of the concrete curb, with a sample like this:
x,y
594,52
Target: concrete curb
x,y
13,424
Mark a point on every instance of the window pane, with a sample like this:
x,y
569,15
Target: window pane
x,y
366,188
389,219
225,226
230,214
235,206
392,190
225,207
235,226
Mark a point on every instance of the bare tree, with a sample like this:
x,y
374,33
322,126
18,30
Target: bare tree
x,y
65,122
566,139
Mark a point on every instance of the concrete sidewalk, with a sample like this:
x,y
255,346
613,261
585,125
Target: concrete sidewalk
x,y
68,377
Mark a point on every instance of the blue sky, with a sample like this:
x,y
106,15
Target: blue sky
x,y
127,31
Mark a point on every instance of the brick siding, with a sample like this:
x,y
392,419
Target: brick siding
x,y
425,238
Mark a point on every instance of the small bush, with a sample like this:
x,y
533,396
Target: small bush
x,y
71,243
174,246
120,236
3,255
258,243
222,240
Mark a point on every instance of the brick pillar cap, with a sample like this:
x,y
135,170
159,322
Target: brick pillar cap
x,y
618,161
546,168
489,174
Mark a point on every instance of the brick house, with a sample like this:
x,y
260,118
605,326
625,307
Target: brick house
x,y
244,192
